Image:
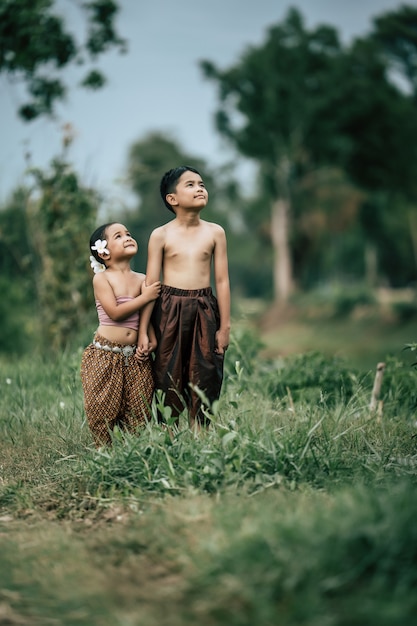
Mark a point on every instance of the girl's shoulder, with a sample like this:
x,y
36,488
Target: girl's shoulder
x,y
100,278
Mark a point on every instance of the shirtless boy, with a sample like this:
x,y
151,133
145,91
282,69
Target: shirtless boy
x,y
191,324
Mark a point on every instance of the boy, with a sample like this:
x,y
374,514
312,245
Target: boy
x,y
192,326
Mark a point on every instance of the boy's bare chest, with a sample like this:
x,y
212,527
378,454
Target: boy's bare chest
x,y
192,247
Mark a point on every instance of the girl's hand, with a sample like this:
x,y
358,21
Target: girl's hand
x,y
151,292
140,355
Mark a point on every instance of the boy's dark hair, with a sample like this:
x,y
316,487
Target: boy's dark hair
x,y
99,233
170,179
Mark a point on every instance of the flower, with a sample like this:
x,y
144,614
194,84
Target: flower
x,y
97,267
100,246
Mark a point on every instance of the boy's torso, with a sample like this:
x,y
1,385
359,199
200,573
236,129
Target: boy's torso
x,y
187,255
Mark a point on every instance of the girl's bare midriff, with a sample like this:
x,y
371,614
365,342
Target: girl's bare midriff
x,y
118,334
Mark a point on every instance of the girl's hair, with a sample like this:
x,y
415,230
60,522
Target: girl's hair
x,y
170,179
99,233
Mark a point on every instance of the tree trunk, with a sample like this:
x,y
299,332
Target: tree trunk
x,y
282,270
413,232
371,265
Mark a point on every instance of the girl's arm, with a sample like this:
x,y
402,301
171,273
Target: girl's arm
x,y
104,293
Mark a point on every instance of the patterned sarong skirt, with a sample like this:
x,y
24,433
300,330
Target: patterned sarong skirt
x,y
118,389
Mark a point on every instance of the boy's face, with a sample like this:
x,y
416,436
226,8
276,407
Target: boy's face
x,y
190,192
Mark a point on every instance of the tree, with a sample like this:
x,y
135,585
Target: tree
x,y
36,45
61,215
16,275
268,104
396,32
377,119
298,103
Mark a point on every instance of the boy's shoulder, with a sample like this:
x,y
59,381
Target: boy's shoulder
x,y
214,227
160,231
138,275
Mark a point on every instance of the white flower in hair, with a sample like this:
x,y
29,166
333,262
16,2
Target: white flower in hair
x,y
100,247
97,267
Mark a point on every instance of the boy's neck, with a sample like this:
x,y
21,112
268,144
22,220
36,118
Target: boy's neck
x,y
186,217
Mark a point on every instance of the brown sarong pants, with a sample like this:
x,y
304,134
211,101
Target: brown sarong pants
x,y
117,390
185,323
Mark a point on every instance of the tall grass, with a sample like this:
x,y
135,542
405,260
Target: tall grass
x,y
296,507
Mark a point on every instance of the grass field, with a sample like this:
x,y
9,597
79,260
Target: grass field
x,y
296,508
365,337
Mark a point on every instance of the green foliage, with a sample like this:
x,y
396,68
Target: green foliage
x,y
396,31
17,333
312,378
16,255
337,109
399,385
61,222
284,509
277,107
324,562
17,309
36,44
306,421
46,283
347,299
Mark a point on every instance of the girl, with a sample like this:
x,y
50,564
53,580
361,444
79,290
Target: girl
x,y
116,377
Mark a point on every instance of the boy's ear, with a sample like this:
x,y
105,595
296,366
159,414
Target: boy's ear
x,y
171,199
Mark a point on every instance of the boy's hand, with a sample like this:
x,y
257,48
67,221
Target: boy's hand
x,y
144,345
151,292
222,341
152,345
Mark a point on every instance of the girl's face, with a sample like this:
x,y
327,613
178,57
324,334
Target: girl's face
x,y
120,242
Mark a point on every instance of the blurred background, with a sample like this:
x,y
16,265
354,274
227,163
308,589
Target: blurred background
x,y
301,116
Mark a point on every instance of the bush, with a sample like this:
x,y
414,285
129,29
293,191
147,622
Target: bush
x,y
311,377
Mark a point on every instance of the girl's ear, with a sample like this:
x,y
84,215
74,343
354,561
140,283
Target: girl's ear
x,y
104,255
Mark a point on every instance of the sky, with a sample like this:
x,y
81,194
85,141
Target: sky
x,y
158,85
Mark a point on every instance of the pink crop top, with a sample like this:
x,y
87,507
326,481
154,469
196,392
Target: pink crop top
x,y
129,322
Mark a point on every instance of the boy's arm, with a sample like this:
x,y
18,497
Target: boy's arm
x,y
103,292
222,284
154,268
